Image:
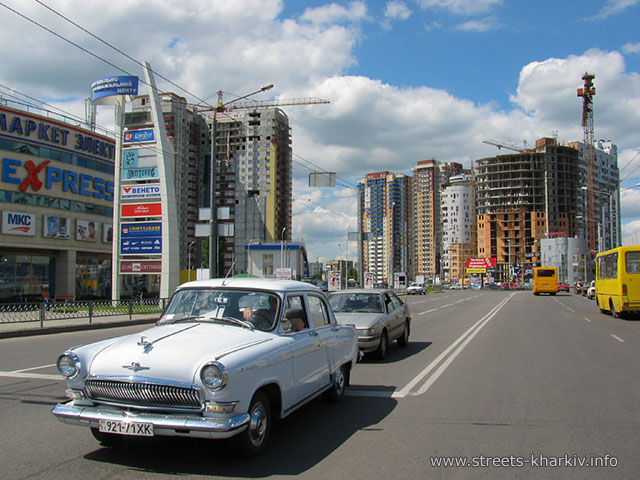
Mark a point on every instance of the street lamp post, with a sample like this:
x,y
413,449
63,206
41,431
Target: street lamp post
x,y
612,242
213,233
189,259
282,249
248,260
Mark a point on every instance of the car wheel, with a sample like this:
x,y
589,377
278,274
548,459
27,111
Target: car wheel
x,y
403,341
111,440
253,440
336,393
381,352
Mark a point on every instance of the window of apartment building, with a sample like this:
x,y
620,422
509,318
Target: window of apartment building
x,y
267,264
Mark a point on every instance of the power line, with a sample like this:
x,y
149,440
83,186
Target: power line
x,y
119,51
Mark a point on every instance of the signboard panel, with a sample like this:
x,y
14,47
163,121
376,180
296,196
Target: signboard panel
x,y
141,246
113,86
17,223
144,135
139,157
140,173
129,210
132,192
56,227
283,273
140,266
141,238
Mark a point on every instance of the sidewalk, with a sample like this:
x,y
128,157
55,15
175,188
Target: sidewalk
x,y
24,329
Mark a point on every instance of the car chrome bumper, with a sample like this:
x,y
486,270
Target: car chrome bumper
x,y
163,424
368,343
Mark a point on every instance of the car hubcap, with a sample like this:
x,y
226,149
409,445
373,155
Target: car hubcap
x,y
339,381
257,424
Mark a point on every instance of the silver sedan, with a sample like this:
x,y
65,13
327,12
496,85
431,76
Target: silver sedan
x,y
380,317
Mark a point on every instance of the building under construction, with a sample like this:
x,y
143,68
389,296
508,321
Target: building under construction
x,y
522,198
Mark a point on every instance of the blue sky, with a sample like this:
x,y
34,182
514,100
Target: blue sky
x,y
408,80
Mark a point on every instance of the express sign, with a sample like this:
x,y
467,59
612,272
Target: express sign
x,y
28,175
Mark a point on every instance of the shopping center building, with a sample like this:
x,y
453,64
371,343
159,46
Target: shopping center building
x,y
56,198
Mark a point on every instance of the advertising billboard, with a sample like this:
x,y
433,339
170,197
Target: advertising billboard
x,y
133,192
56,227
17,223
129,210
86,231
103,90
140,266
141,238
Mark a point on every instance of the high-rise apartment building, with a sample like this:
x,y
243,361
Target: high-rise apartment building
x,y
253,184
384,207
429,176
524,197
188,132
457,225
606,196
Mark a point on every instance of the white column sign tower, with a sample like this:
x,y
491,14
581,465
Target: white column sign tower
x,y
145,235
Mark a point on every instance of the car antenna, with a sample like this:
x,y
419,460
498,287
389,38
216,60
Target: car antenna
x,y
229,272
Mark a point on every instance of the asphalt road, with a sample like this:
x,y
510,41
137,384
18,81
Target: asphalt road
x,y
511,385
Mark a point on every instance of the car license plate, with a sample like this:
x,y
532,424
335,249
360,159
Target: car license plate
x,y
126,428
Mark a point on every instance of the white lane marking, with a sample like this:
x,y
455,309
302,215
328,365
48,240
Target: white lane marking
x,y
587,319
617,338
34,368
431,380
418,378
428,311
36,376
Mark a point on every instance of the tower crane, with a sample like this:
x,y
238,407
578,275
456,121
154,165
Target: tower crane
x,y
587,93
509,146
260,104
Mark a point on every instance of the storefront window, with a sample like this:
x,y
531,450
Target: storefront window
x,y
23,278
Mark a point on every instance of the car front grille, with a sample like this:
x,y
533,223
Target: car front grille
x,y
147,395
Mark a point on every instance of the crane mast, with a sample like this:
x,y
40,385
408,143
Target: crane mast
x,y
587,93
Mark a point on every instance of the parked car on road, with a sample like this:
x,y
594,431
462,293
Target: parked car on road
x,y
379,316
227,357
416,289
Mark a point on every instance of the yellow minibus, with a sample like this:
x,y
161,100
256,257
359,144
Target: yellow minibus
x,y
618,280
545,280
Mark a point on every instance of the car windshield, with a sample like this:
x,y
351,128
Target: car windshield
x,y
252,309
356,302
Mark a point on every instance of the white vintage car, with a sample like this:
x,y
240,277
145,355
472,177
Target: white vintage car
x,y
226,358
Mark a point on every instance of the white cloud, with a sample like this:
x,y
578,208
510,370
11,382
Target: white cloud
x,y
336,13
479,25
396,10
614,7
461,7
630,48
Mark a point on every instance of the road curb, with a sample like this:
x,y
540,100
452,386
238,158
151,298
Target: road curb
x,y
28,332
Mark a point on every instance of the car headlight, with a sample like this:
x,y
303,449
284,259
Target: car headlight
x,y
68,365
214,375
369,331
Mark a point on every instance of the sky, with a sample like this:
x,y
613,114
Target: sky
x,y
407,80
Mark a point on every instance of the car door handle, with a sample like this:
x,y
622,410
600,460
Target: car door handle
x,y
313,333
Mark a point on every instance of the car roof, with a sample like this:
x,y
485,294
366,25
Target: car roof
x,y
253,283
360,290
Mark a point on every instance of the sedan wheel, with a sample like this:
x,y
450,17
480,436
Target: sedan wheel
x,y
403,341
254,439
336,392
381,352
